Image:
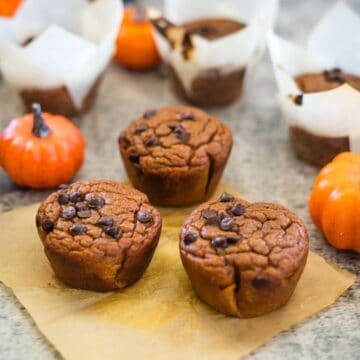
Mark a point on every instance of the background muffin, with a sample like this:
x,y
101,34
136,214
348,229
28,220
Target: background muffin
x,y
176,155
317,149
98,235
243,259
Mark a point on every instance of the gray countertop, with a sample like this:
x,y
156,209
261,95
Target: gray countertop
x,y
262,168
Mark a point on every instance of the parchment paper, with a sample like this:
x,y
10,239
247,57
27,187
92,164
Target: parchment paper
x,y
157,318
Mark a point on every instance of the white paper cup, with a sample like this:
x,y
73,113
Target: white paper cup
x,y
213,72
325,123
54,52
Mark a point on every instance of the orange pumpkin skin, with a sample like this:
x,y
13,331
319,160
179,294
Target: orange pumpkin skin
x,y
136,48
8,7
335,201
41,163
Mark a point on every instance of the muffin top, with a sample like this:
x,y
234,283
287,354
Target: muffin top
x,y
264,242
95,219
175,139
325,81
213,28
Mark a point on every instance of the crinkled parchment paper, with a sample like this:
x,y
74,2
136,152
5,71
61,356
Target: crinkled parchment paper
x,y
157,318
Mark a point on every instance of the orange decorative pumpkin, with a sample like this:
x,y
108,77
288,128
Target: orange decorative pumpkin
x,y
136,48
8,7
335,201
41,150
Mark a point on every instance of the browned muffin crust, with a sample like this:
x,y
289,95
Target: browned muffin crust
x,y
213,28
211,87
58,100
176,155
316,149
244,259
98,235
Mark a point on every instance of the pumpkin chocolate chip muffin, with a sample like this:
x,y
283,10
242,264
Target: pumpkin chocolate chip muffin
x,y
244,259
98,235
176,155
313,148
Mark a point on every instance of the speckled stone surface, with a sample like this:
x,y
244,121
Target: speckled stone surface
x,y
262,167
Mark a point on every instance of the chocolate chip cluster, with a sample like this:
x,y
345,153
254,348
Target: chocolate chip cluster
x,y
223,220
334,75
77,205
153,140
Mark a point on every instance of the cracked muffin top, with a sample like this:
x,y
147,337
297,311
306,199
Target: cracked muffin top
x,y
264,242
94,219
176,138
327,80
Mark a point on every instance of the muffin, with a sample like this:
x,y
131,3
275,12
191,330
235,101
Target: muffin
x,y
243,259
176,155
98,235
58,100
316,149
212,87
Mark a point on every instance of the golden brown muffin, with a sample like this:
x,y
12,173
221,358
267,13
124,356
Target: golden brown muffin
x,y
243,259
176,155
98,235
316,149
211,87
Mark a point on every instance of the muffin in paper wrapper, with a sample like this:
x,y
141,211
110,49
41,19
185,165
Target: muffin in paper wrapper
x,y
332,44
59,44
224,55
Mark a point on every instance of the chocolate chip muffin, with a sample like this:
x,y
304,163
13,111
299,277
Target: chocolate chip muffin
x,y
212,87
98,235
243,259
313,148
176,155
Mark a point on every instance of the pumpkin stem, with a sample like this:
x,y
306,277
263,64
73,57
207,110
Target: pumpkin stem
x,y
40,129
140,12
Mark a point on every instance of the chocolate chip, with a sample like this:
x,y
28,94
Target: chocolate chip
x,y
149,114
237,210
134,158
138,169
226,223
144,216
95,201
153,141
190,237
233,239
114,232
48,226
75,197
226,197
334,75
211,217
63,199
78,229
126,142
106,221
81,206
176,128
298,100
64,186
69,213
187,116
37,220
84,214
141,128
260,282
183,137
219,242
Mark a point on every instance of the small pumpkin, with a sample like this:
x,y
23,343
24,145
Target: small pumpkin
x,y
41,150
135,44
8,7
335,201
